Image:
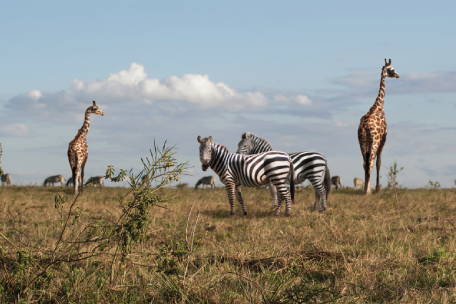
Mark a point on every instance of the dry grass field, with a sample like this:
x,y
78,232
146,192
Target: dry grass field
x,y
379,248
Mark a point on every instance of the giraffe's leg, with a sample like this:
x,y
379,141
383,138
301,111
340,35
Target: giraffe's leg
x,y
364,146
379,160
82,176
273,191
76,171
230,190
372,156
283,194
240,198
368,164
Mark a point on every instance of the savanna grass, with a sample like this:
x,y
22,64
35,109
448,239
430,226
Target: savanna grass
x,y
380,248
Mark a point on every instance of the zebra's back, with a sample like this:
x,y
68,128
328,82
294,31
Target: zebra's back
x,y
308,164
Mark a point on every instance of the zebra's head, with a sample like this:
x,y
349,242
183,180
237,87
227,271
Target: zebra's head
x,y
245,145
205,151
95,109
390,72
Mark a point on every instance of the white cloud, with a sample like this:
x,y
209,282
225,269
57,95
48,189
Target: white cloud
x,y
133,84
303,100
15,129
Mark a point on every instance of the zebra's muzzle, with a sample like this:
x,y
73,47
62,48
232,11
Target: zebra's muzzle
x,y
204,167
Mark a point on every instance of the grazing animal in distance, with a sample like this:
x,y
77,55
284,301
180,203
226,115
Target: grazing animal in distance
x,y
70,181
308,164
78,150
336,181
206,181
54,179
358,182
236,170
96,181
372,131
6,179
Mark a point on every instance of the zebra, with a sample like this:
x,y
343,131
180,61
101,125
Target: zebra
x,y
6,178
205,181
336,181
70,181
308,164
235,170
95,181
358,182
54,179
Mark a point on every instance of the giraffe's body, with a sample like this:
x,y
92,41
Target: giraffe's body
x,y
78,150
372,131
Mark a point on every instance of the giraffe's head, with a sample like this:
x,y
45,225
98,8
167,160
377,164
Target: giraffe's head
x,y
245,145
390,72
205,151
95,109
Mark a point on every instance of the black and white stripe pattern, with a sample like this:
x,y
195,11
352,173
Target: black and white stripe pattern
x,y
236,170
309,164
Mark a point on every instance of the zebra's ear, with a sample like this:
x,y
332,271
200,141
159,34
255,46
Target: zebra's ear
x,y
247,135
95,104
199,139
243,135
386,63
389,62
209,140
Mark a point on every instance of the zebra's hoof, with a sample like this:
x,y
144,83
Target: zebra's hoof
x,y
287,215
231,213
245,213
323,209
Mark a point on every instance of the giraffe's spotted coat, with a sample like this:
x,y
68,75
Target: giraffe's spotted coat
x,y
372,130
78,150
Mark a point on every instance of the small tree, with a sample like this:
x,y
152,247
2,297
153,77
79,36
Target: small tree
x,y
100,236
393,184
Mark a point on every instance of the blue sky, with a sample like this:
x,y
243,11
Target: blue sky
x,y
300,74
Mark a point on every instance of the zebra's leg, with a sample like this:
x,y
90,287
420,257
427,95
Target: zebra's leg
x,y
240,198
230,190
273,191
283,194
317,199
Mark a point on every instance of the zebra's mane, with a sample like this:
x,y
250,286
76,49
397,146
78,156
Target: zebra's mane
x,y
256,138
221,146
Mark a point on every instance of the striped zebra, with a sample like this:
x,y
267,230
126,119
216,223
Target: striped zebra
x,y
336,181
206,181
237,170
6,179
358,182
308,164
95,181
54,179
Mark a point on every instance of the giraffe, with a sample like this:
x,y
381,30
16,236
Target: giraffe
x,y
372,131
78,150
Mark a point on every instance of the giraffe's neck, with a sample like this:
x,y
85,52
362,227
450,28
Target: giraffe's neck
x,y
82,133
378,104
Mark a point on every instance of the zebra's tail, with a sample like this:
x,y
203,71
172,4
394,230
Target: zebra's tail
x,y
292,183
327,182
